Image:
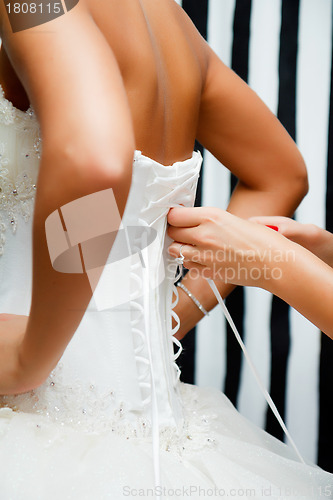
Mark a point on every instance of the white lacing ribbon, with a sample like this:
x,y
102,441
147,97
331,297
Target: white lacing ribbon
x,y
253,368
144,311
164,201
154,406
175,329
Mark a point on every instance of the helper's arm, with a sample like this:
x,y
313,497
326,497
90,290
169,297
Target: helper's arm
x,y
245,253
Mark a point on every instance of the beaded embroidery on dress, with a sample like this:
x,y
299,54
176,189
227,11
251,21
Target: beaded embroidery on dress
x,y
91,430
17,172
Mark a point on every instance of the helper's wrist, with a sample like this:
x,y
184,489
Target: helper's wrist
x,y
276,264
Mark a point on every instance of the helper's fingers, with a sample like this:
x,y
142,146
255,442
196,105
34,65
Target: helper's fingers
x,y
191,259
286,226
187,235
189,252
267,219
186,216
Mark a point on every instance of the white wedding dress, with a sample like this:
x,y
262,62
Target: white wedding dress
x,y
113,420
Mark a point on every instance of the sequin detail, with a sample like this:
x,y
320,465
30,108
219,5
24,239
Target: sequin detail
x,y
18,170
86,408
16,198
74,404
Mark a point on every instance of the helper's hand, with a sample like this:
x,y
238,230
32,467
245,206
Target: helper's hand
x,y
219,245
313,238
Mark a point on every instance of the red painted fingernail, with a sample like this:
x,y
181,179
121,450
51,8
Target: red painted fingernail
x,y
272,227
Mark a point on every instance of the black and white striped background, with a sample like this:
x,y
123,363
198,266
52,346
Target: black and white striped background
x,y
283,49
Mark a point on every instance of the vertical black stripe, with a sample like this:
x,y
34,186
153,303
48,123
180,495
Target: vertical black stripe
x,y
236,301
287,65
280,328
186,360
280,344
240,45
198,12
325,445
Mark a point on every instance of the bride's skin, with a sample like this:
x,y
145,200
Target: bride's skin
x,y
293,261
104,79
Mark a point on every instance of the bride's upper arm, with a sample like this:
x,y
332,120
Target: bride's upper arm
x,y
73,82
239,129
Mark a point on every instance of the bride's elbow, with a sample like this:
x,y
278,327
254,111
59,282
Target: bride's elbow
x,y
113,168
301,181
90,166
293,182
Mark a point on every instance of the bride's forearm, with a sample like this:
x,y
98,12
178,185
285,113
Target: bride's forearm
x,y
189,314
59,300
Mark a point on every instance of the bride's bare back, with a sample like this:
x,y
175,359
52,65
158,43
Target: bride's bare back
x,y
162,62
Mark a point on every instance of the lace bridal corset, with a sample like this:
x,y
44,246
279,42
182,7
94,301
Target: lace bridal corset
x,y
121,355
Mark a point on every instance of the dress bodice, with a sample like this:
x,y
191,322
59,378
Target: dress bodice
x,y
123,347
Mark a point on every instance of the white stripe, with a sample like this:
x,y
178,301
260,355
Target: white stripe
x,y
264,51
265,25
313,92
210,352
220,28
257,340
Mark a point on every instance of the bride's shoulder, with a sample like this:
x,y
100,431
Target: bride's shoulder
x,y
70,75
